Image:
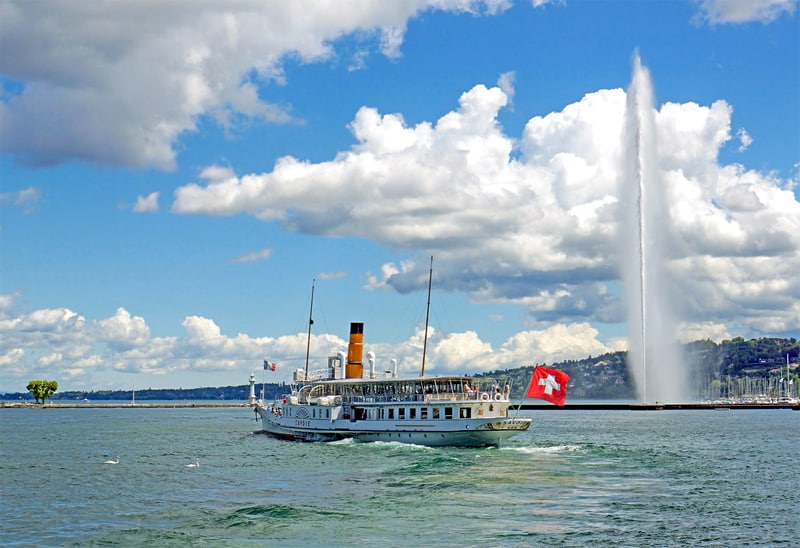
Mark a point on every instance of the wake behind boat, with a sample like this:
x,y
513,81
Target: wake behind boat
x,y
345,402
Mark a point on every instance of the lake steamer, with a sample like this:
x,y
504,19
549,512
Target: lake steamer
x,y
345,402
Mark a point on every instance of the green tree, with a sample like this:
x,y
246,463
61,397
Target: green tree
x,y
42,390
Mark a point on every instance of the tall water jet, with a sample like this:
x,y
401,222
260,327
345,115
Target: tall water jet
x,y
654,357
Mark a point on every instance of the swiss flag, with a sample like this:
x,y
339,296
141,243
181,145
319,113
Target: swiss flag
x,y
548,384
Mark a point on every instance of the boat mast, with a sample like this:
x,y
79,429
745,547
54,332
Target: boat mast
x,y
427,316
310,323
787,375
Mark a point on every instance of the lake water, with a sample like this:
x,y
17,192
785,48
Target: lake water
x,y
577,478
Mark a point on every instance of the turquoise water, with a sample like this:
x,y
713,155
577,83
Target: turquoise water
x,y
621,478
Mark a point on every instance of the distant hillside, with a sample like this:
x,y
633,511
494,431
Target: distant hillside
x,y
713,367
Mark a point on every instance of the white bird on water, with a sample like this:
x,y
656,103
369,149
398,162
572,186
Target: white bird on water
x,y
195,464
112,461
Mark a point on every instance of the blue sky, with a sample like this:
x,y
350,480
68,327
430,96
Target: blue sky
x,y
174,176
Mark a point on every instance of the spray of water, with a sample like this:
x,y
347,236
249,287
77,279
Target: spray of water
x,y
654,358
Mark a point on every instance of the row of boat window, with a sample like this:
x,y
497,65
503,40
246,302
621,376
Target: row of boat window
x,y
390,389
398,413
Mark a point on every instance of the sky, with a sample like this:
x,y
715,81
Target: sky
x,y
174,177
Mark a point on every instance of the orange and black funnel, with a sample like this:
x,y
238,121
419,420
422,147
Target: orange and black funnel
x,y
355,352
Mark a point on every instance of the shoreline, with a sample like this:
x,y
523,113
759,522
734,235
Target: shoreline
x,y
524,406
659,406
159,405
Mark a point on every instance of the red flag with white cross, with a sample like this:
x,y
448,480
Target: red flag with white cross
x,y
548,384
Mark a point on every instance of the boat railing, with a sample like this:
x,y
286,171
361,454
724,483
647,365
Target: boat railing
x,y
426,398
447,396
319,375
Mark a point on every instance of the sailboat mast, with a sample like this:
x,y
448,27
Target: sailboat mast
x,y
787,375
310,323
427,316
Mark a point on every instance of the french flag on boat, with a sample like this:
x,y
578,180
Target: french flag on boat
x,y
269,366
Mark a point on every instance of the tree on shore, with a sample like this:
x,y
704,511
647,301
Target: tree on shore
x,y
41,390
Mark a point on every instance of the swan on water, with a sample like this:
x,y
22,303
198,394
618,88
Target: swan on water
x,y
195,464
112,461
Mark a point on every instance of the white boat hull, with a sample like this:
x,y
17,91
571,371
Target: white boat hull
x,y
282,421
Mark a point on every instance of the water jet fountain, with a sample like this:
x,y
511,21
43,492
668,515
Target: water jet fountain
x,y
654,357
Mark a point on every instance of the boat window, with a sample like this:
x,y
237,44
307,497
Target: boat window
x,y
423,413
412,413
391,413
466,412
401,413
435,413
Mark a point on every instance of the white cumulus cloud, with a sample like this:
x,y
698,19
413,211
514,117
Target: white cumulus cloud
x,y
261,255
744,139
54,344
146,204
123,80
538,226
743,11
26,199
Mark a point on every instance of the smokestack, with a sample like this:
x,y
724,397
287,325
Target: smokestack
x,y
355,352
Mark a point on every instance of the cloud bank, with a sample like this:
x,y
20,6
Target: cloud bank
x,y
534,219
529,219
124,80
61,343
